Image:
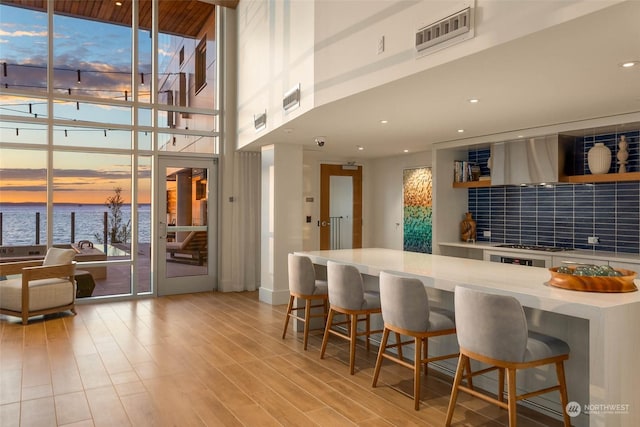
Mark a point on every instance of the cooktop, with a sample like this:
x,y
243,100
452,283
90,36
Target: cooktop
x,y
535,247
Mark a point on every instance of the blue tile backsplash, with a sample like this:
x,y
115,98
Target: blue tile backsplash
x,y
564,214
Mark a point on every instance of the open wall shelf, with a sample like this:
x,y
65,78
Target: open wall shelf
x,y
473,184
574,179
605,177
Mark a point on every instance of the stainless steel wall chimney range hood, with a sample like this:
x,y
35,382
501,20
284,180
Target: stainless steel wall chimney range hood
x,y
529,161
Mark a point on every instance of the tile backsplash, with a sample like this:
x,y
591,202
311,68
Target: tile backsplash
x,y
564,214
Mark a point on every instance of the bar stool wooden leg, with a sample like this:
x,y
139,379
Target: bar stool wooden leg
x,y
325,338
501,384
462,361
368,330
564,400
425,350
383,345
307,322
286,318
417,365
511,398
352,343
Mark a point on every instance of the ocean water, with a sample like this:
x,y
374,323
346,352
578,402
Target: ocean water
x,y
19,223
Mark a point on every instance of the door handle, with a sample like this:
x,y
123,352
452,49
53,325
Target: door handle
x,y
162,231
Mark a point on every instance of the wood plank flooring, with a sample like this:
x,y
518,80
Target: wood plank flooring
x,y
208,359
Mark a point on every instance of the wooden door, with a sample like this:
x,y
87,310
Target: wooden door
x,y
326,171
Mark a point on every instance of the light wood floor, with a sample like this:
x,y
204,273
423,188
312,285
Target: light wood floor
x,y
206,359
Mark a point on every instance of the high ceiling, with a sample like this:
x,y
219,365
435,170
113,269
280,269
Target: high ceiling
x,y
177,17
564,74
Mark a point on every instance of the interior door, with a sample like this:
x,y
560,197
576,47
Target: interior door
x,y
186,225
332,222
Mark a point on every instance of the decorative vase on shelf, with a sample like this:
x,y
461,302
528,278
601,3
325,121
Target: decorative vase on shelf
x,y
599,158
623,154
468,228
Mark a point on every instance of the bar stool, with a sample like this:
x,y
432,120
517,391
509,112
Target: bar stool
x,y
347,296
304,285
406,311
493,329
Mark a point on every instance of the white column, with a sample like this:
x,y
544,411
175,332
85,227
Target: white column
x,y
282,218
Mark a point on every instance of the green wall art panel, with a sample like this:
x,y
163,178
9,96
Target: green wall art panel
x,y
417,192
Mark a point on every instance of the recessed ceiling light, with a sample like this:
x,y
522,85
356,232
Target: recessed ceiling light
x,y
360,147
384,122
406,151
460,130
629,64
520,136
118,3
474,100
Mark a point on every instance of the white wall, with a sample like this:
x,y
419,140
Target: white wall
x,y
275,53
385,178
347,36
281,218
311,189
381,197
331,47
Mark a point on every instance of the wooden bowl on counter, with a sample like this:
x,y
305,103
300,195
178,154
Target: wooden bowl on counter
x,y
611,284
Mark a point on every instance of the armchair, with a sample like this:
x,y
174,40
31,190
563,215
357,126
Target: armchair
x,y
44,286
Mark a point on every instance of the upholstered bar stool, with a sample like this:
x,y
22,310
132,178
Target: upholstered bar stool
x,y
304,285
347,296
406,311
493,329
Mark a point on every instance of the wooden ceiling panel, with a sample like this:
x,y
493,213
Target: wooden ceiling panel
x,y
177,17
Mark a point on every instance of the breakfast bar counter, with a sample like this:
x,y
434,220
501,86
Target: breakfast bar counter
x,y
612,319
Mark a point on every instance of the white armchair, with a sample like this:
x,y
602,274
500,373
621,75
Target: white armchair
x,y
44,286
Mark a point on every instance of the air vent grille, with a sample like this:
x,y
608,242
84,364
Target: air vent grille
x,y
260,121
291,99
446,29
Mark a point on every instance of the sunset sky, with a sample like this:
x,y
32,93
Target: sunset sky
x,y
103,53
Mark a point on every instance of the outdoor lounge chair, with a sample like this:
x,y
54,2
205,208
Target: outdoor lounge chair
x,y
194,245
45,286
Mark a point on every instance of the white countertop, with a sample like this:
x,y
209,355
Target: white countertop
x,y
573,253
527,284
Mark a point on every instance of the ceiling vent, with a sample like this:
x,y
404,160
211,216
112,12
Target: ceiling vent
x,y
455,26
291,99
260,121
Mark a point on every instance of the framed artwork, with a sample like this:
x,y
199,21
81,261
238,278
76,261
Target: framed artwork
x,y
417,209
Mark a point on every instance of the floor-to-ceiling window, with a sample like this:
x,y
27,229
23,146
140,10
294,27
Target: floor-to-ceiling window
x,y
91,93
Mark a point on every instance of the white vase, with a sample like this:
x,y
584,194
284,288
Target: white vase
x,y
599,158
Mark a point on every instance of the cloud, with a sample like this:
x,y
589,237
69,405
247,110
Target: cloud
x,y
31,188
22,33
24,174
